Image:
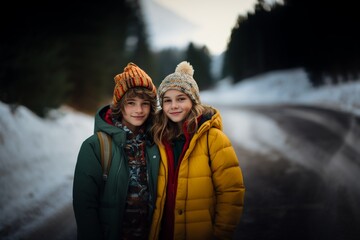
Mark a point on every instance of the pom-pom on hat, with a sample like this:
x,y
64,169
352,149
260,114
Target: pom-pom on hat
x,y
181,80
133,76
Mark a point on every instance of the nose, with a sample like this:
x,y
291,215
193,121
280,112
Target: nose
x,y
174,104
139,108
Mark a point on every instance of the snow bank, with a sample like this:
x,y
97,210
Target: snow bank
x,y
37,156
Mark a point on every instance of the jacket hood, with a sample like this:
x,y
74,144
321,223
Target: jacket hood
x,y
210,119
101,124
117,134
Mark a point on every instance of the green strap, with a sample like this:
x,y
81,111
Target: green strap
x,y
105,152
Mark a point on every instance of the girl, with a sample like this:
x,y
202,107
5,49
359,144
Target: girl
x,y
200,185
120,206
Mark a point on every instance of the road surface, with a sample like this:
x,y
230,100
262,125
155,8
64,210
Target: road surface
x,y
316,198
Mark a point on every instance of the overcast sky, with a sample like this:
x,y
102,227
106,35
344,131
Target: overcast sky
x,y
204,22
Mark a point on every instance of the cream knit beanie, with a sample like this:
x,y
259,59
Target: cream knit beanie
x,y
181,80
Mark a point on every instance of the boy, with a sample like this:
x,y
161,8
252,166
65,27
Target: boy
x,y
120,206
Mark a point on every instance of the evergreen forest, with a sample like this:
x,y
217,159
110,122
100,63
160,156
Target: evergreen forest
x,y
67,52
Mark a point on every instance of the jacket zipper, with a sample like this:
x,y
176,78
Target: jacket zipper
x,y
122,158
161,203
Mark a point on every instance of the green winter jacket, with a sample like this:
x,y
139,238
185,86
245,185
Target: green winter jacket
x,y
99,205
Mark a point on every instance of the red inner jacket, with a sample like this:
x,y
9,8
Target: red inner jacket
x,y
167,226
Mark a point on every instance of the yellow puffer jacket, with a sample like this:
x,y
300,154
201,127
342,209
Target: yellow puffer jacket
x,y
210,195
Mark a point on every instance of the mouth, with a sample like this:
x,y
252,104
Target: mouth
x,y
138,117
175,113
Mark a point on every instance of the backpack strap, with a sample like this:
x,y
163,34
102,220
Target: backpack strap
x,y
105,152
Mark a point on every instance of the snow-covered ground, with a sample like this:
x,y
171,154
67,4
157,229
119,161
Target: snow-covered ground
x,y
290,86
38,156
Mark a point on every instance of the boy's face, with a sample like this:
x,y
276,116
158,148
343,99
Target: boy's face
x,y
135,113
176,106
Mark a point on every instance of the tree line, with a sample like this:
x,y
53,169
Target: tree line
x,y
320,36
67,52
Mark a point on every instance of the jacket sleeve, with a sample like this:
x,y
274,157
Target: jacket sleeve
x,y
228,183
86,188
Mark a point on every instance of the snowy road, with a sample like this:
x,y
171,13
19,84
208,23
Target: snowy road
x,y
300,167
60,226
309,189
322,140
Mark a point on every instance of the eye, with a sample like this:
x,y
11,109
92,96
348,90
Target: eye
x,y
131,103
181,99
146,103
166,100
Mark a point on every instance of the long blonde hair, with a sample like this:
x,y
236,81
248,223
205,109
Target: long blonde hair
x,y
164,130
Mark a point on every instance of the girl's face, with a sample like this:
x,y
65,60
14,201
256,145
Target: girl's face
x,y
176,106
135,113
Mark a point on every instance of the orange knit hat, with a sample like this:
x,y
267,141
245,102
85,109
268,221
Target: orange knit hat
x,y
133,76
